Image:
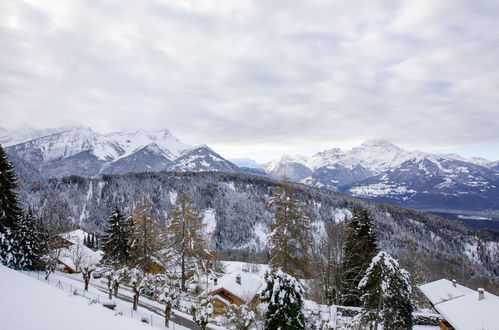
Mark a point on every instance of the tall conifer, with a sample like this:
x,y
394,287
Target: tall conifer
x,y
116,241
289,240
359,249
184,238
10,212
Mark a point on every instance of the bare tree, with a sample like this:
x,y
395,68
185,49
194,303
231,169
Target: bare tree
x,y
86,271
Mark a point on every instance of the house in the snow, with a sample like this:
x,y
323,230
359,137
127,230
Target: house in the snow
x,y
462,308
235,288
71,252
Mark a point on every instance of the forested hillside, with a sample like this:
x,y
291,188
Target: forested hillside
x,y
236,216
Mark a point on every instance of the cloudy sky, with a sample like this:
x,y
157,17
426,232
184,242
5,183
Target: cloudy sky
x,y
258,78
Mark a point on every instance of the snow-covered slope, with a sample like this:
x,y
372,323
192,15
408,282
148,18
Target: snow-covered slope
x,y
28,304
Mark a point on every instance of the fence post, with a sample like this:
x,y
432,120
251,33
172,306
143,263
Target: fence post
x,y
131,312
151,319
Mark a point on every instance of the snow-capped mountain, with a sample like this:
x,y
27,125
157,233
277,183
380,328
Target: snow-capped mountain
x,y
380,170
294,168
202,159
81,151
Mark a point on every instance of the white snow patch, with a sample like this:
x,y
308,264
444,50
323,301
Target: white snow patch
x,y
341,214
209,221
31,304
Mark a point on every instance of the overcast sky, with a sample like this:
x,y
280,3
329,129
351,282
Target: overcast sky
x,y
258,78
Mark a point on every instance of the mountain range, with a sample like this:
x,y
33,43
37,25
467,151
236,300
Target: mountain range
x,y
377,169
83,152
381,171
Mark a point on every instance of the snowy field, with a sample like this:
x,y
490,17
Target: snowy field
x,y
29,304
32,304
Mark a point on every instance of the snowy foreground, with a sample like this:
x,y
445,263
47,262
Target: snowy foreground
x,y
33,305
30,304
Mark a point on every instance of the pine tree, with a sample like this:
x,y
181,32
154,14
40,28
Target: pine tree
x,y
145,235
359,249
387,295
10,212
116,241
29,244
184,237
289,240
284,295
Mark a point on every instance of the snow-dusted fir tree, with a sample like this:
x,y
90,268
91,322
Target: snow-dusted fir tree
x,y
359,249
289,239
202,311
184,238
10,212
284,296
29,243
116,240
145,239
387,297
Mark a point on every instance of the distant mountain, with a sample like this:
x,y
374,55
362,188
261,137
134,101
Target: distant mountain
x,y
382,171
83,152
202,159
245,162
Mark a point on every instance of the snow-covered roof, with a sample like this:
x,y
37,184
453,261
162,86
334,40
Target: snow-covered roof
x,y
250,286
443,290
75,236
461,306
78,251
470,313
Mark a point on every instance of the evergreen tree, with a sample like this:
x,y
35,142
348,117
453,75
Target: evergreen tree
x,y
116,240
29,244
289,240
284,295
184,237
387,295
359,249
10,212
145,235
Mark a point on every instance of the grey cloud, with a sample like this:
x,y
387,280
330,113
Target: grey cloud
x,y
320,73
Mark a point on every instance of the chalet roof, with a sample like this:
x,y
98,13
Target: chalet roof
x,y
443,290
461,306
251,285
67,254
470,313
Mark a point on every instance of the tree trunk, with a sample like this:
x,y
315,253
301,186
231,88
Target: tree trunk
x,y
116,286
135,301
110,289
168,309
183,273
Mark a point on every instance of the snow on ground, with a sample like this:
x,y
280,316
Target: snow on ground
x,y
28,304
